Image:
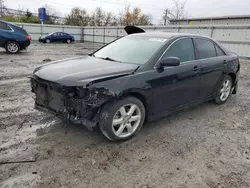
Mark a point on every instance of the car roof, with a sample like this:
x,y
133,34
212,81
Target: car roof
x,y
162,34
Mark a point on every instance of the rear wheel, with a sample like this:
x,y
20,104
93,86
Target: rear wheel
x,y
122,119
224,90
12,47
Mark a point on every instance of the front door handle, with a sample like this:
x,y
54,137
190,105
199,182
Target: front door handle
x,y
196,69
225,62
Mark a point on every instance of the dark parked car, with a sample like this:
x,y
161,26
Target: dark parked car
x,y
138,77
13,38
57,37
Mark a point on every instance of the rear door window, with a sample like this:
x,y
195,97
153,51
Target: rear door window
x,y
219,51
205,48
183,49
4,26
19,29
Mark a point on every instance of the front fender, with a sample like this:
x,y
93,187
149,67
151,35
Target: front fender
x,y
128,85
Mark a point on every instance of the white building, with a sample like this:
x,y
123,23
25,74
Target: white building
x,y
223,20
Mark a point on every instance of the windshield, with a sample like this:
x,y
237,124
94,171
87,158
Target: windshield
x,y
131,49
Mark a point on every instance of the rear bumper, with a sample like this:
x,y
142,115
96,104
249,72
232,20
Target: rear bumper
x,y
24,44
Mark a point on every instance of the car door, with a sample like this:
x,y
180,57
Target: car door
x,y
176,87
62,37
212,60
65,36
4,33
55,37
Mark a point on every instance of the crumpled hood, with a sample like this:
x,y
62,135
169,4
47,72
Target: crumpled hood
x,y
81,70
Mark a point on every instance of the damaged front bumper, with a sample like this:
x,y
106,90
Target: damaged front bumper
x,y
90,125
76,104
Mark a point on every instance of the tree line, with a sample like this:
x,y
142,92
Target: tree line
x,y
98,17
78,17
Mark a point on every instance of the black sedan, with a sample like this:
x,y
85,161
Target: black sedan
x,y
57,37
139,77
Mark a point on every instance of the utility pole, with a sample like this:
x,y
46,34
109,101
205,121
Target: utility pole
x,y
165,17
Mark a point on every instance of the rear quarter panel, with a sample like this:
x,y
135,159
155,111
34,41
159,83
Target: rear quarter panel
x,y
233,65
11,36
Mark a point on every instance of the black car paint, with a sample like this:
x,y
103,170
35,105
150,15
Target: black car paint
x,y
161,90
82,70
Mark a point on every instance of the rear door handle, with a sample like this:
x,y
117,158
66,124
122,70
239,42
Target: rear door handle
x,y
196,69
225,62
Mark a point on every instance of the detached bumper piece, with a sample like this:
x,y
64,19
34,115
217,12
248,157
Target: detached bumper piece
x,y
54,98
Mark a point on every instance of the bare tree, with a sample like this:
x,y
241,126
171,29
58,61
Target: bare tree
x,y
98,16
145,20
2,8
101,18
134,17
178,11
110,19
77,17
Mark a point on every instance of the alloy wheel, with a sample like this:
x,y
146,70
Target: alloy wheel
x,y
12,47
225,90
126,120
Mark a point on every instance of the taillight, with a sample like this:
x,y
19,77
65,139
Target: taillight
x,y
27,37
238,60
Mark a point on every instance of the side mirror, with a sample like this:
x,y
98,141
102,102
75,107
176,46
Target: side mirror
x,y
169,62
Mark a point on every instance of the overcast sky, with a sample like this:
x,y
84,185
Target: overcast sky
x,y
194,8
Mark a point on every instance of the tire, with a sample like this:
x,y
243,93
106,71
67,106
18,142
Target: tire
x,y
12,47
118,127
47,41
68,41
223,92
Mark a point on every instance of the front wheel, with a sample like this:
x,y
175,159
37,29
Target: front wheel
x,y
68,41
12,47
47,41
224,90
121,120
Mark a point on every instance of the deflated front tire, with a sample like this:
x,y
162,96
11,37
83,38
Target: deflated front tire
x,y
121,119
